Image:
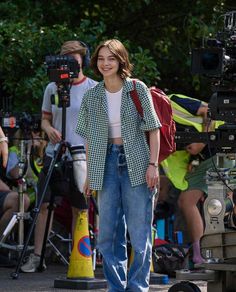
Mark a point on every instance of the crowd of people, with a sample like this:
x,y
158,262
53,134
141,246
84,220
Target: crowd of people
x,y
122,166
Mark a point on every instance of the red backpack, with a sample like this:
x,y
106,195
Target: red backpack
x,y
164,112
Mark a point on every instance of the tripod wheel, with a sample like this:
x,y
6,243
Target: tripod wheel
x,y
15,275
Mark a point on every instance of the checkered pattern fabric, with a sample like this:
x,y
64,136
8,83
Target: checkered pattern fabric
x,y
93,126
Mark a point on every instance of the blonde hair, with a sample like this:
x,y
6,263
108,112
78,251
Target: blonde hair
x,y
121,54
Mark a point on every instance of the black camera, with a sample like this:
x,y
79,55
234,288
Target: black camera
x,y
24,121
30,122
61,69
218,59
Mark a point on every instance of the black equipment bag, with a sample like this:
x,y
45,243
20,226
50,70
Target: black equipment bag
x,y
167,258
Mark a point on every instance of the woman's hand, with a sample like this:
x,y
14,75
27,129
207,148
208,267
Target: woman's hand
x,y
152,177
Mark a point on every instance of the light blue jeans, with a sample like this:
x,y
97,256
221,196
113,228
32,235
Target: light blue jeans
x,y
122,206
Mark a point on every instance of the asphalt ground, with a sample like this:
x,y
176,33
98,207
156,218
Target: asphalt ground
x,y
56,273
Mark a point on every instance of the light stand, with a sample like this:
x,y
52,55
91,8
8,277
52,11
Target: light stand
x,y
20,216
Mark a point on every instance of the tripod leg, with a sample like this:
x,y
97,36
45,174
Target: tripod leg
x,y
9,227
21,211
45,238
58,148
58,253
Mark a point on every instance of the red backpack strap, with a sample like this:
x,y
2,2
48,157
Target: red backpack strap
x,y
136,100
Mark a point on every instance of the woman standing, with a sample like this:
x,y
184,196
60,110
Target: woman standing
x,y
121,166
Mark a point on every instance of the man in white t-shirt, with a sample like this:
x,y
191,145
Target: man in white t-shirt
x,y
52,125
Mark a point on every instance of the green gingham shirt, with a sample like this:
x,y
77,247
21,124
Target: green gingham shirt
x,y
93,126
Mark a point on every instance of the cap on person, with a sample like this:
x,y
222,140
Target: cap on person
x,y
71,47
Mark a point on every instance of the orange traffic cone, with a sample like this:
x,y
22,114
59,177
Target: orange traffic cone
x,y
80,274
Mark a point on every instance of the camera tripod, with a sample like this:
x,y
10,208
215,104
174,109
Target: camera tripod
x,y
59,149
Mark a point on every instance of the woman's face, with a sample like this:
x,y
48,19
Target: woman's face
x,y
107,63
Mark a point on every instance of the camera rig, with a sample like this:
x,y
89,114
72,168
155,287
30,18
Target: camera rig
x,y
24,121
61,69
218,243
218,59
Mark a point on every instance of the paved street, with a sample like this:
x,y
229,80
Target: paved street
x,y
45,281
56,270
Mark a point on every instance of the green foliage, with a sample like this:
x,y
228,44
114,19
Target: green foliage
x,y
144,66
158,34
23,50
24,47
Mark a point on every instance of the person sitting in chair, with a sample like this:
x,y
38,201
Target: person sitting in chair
x,y
8,198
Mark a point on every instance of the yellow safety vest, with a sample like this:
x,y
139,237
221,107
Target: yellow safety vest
x,y
38,166
176,165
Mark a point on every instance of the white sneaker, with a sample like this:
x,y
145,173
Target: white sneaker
x,y
32,264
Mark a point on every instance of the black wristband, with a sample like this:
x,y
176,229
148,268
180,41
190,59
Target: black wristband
x,y
155,164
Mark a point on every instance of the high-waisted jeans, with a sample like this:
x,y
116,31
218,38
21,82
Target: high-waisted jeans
x,y
123,207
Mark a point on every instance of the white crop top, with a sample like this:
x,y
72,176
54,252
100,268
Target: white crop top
x,y
113,103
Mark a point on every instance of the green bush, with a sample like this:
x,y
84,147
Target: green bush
x,y
22,53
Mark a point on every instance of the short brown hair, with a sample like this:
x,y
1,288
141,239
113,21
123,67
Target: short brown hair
x,y
71,47
121,54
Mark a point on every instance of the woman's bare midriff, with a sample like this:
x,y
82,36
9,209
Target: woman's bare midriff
x,y
117,141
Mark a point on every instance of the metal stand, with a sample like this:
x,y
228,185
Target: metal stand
x,y
36,210
19,217
55,249
60,148
217,204
218,244
220,277
58,153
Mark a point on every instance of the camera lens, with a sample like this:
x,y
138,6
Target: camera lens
x,y
210,60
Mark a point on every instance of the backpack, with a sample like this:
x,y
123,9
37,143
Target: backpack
x,y
164,112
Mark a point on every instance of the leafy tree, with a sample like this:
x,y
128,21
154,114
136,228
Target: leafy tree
x,y
158,34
